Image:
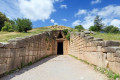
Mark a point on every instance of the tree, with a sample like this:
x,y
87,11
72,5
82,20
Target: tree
x,y
79,27
111,29
7,27
3,18
23,25
93,28
108,28
98,23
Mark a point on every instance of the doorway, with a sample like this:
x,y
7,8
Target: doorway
x,y
60,48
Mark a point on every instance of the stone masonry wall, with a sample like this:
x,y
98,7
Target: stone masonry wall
x,y
21,51
96,51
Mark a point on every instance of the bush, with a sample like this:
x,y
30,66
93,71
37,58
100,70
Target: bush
x,y
7,27
79,27
23,25
3,18
65,31
93,28
68,36
111,29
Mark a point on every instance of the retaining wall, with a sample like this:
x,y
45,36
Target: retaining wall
x,y
96,51
21,51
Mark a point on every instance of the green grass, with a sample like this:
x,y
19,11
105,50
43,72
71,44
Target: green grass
x,y
5,36
107,36
111,75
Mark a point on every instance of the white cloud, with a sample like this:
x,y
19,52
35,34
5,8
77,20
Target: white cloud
x,y
52,20
80,12
10,8
95,1
115,22
59,0
110,15
64,20
55,23
75,23
63,6
36,9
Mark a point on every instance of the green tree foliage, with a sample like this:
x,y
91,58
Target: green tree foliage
x,y
98,25
23,25
79,27
13,24
65,31
111,29
7,27
3,18
93,28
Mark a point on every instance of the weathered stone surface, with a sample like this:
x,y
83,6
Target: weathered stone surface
x,y
2,68
110,49
4,53
3,60
91,49
1,44
110,43
98,39
115,67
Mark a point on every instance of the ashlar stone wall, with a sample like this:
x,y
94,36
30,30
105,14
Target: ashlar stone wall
x,y
21,51
96,51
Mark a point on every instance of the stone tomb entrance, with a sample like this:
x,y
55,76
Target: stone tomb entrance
x,y
60,48
61,44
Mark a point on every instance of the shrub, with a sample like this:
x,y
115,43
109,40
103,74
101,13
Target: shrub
x,y
114,30
3,18
23,25
7,27
111,29
93,28
65,31
79,27
68,36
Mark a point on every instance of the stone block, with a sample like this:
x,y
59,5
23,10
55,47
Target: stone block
x,y
91,49
1,44
3,60
98,39
110,49
2,68
115,67
110,57
4,53
10,64
110,43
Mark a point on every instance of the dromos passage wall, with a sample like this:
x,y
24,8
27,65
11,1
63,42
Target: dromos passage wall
x,y
96,51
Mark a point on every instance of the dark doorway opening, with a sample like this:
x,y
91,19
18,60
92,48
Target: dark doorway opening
x,y
60,35
60,48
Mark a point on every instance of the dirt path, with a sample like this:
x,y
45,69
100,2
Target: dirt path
x,y
62,67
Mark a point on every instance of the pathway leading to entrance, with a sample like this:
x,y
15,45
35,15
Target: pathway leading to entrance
x,y
62,67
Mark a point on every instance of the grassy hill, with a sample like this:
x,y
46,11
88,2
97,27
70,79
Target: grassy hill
x,y
5,36
107,36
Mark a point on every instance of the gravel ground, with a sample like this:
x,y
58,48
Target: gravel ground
x,y
62,67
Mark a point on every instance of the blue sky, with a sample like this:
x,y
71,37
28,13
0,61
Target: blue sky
x,y
63,12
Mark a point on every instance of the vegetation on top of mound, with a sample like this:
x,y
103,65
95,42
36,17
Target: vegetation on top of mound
x,y
5,36
58,27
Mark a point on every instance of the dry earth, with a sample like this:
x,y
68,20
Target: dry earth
x,y
62,67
